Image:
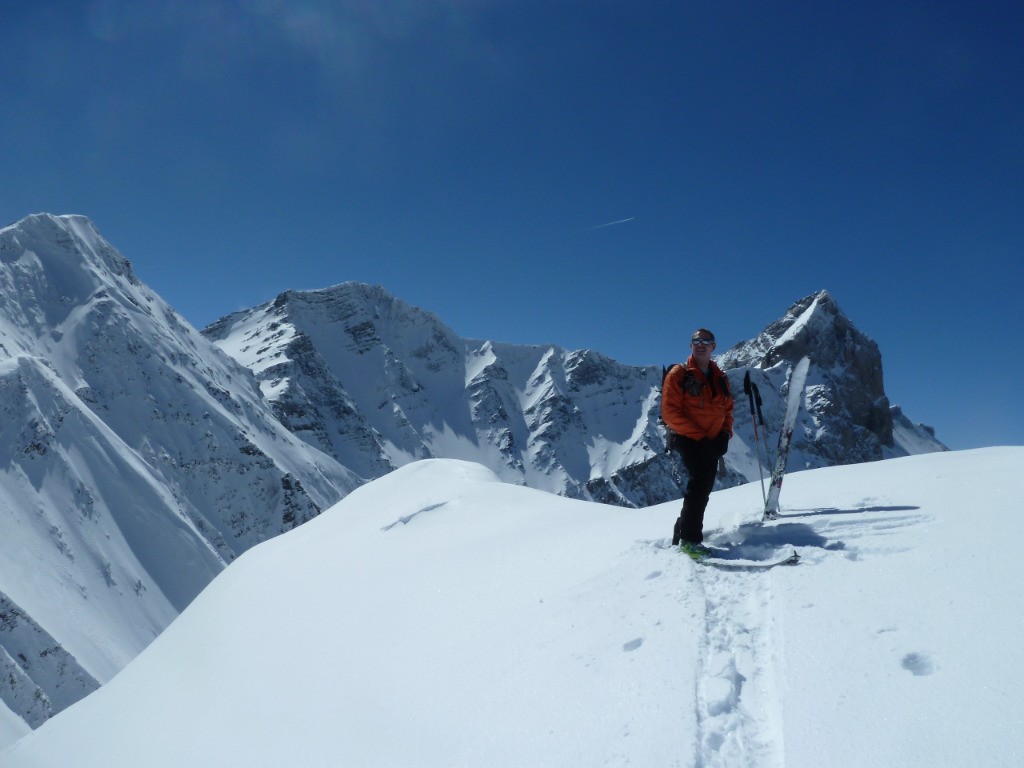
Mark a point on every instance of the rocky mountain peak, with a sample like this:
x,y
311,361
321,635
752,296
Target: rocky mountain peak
x,y
815,327
846,389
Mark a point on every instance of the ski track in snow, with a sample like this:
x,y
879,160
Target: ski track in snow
x,y
737,711
738,702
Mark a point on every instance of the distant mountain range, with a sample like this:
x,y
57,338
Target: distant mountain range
x,y
140,456
376,383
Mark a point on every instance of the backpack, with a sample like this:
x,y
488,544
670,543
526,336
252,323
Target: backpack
x,y
671,442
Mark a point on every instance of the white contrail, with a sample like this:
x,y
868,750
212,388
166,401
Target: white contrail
x,y
612,223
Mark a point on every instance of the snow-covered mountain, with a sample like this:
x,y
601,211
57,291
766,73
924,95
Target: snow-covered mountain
x,y
438,617
377,383
135,461
138,459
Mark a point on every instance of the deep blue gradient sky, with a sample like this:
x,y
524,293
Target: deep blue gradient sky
x,y
465,154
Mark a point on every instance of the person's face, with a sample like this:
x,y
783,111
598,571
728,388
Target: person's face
x,y
702,346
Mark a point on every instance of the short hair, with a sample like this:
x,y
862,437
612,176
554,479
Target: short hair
x,y
704,331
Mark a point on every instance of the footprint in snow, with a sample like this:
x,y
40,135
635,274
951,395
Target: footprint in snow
x,y
918,664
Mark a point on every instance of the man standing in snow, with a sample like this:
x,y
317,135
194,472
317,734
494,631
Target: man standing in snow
x,y
697,405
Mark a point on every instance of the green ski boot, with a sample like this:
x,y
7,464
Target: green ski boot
x,y
696,552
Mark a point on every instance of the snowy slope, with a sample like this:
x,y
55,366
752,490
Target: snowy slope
x,y
438,617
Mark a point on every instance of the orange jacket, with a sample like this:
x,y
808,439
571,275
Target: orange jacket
x,y
695,405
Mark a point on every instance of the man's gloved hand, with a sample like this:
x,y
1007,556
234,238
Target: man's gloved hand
x,y
722,443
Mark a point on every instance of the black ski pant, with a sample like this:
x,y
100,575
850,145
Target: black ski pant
x,y
700,459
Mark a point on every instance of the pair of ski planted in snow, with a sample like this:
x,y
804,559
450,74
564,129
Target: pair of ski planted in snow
x,y
794,396
793,399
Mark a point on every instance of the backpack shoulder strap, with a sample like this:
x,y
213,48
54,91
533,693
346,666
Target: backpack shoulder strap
x,y
723,382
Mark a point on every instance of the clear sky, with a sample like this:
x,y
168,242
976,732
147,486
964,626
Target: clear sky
x,y
594,174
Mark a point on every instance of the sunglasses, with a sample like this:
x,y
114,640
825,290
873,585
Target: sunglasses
x,y
702,342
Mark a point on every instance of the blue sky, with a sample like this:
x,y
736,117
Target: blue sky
x,y
466,155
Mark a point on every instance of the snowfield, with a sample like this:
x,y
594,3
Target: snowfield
x,y
437,617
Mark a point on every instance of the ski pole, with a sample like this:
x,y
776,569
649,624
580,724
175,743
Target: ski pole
x,y
750,388
760,418
756,393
